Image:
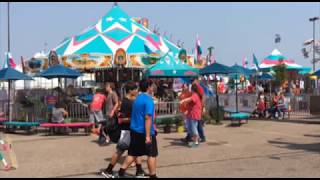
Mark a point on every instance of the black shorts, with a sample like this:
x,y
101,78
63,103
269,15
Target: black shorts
x,y
138,146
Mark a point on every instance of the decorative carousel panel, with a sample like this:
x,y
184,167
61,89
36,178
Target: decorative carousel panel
x,y
120,59
135,61
87,61
35,65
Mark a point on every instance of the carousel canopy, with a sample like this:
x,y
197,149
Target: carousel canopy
x,y
276,58
113,31
169,66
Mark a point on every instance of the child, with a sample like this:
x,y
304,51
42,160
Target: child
x,y
96,114
58,113
5,147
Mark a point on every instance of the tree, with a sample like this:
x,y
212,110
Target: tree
x,y
281,74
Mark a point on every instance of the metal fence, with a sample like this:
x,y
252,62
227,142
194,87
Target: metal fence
x,y
78,110
167,108
299,106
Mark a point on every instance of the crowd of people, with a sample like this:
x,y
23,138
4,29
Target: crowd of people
x,y
273,108
129,122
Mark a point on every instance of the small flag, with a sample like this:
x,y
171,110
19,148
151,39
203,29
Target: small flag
x,y
277,39
255,62
9,61
198,49
245,62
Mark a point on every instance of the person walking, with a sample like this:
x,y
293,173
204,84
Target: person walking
x,y
184,109
131,90
111,107
96,114
5,147
143,134
203,99
194,114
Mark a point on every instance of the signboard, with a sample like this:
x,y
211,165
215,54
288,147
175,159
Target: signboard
x,y
50,101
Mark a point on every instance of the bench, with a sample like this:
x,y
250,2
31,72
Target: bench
x,y
2,119
52,126
10,126
239,117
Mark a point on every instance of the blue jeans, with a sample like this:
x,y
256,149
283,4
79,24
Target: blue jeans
x,y
200,131
193,127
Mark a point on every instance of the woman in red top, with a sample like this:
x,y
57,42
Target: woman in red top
x,y
184,107
194,114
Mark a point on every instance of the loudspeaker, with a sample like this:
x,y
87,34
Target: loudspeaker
x,y
98,75
110,75
125,74
136,75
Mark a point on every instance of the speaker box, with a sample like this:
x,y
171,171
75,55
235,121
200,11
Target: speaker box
x,y
110,75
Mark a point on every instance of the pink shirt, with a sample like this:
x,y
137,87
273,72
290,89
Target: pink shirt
x,y
195,107
98,101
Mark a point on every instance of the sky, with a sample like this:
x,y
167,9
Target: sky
x,y
235,30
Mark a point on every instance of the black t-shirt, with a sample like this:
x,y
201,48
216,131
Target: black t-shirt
x,y
125,110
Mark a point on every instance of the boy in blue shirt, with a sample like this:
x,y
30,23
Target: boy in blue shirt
x,y
142,134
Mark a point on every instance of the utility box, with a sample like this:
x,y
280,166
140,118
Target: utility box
x,y
314,105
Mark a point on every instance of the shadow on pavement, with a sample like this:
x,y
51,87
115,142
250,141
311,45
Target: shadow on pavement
x,y
296,121
175,142
311,135
313,147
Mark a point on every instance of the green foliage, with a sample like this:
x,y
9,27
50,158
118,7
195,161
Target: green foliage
x,y
281,74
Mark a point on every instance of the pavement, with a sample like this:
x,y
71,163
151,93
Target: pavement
x,y
261,148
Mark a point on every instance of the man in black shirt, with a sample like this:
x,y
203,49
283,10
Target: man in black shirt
x,y
124,121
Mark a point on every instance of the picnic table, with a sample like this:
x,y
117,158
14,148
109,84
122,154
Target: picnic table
x,y
241,116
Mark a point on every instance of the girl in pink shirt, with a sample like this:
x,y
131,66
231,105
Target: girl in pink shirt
x,y
194,114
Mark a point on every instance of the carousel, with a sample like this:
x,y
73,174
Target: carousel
x,y
115,49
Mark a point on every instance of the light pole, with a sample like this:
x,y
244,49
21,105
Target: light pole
x,y
314,41
313,47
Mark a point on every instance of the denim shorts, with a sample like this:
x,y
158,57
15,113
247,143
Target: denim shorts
x,y
193,127
96,116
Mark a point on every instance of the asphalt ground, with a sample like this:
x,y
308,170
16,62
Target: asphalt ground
x,y
261,148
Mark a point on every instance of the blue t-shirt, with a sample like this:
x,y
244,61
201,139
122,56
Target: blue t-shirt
x,y
142,106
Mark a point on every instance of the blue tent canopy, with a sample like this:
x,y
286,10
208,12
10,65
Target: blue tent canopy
x,y
265,77
9,73
241,70
59,71
215,68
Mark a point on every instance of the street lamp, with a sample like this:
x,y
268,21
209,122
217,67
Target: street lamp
x,y
314,40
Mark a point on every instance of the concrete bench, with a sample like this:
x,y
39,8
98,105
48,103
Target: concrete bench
x,y
52,126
